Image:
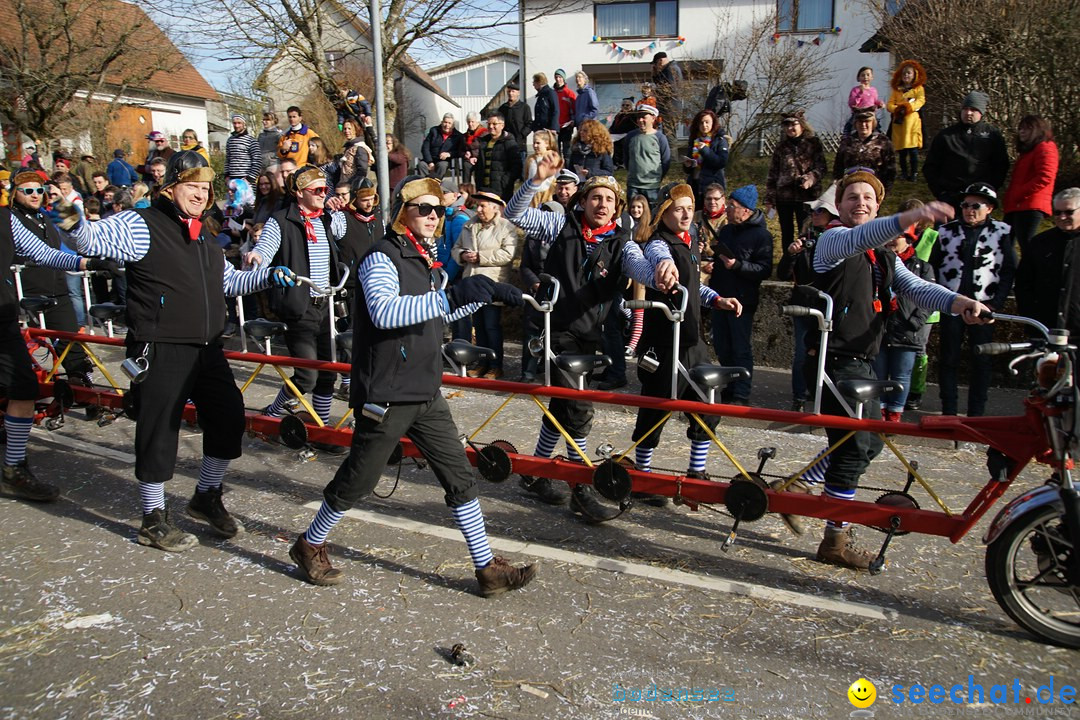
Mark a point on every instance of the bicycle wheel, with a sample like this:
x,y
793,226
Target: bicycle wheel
x,y
1026,567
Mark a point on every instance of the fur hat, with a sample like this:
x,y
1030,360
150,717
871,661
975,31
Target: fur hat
x,y
408,190
601,181
188,166
26,176
920,74
366,189
862,175
666,198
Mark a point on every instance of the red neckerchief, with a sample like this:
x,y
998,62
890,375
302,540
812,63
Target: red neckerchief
x,y
422,250
194,227
907,253
309,229
363,218
685,237
717,214
592,234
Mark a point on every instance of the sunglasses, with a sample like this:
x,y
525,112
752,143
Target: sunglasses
x,y
425,209
342,194
32,191
1065,213
316,191
973,206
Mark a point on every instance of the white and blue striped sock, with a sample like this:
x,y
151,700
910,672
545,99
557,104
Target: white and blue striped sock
x,y
643,458
211,473
572,451
152,497
321,525
276,408
470,520
321,405
18,432
840,493
346,380
699,454
816,474
545,444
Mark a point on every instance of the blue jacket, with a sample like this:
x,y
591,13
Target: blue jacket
x,y
546,110
456,217
121,174
587,106
752,244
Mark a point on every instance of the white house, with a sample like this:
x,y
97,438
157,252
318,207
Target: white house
x,y
476,82
421,102
613,42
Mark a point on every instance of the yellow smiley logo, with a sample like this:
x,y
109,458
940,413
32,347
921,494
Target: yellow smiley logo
x,y
862,693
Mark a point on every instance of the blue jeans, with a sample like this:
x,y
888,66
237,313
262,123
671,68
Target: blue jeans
x,y
487,322
803,325
732,341
895,364
74,285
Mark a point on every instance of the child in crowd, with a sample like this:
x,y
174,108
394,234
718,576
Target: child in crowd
x,y
862,96
907,98
926,238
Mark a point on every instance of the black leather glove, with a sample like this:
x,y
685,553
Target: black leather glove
x,y
105,265
507,295
473,289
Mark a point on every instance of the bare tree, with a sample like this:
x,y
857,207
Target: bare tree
x,y
56,56
1020,52
779,73
310,32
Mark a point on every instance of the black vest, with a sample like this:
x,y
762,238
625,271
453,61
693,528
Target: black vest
x,y
9,299
857,326
656,328
589,282
359,238
40,280
175,292
402,364
290,303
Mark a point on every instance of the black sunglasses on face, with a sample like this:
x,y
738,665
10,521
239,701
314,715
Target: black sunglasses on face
x,y
1065,213
973,206
425,209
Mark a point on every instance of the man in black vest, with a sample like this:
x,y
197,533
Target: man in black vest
x,y
397,374
305,238
17,377
671,227
177,283
861,276
590,251
27,219
363,229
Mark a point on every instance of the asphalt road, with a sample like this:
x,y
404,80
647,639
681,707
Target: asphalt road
x,y
93,625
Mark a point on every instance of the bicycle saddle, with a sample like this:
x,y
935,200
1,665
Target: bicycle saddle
x,y
107,311
261,328
864,390
464,353
37,303
581,364
716,376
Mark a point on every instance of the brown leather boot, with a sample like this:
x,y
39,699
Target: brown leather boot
x,y
499,576
315,563
839,548
794,522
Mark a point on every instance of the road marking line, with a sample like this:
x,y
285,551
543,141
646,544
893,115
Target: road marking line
x,y
679,577
70,442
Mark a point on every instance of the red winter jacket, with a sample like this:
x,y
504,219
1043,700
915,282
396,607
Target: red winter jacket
x,y
1032,183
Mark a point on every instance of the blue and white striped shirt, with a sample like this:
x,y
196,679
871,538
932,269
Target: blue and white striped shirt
x,y
126,237
30,245
378,276
838,244
546,226
318,252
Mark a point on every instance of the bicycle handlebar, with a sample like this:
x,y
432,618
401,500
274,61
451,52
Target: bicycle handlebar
x,y
672,315
798,311
545,306
320,290
998,348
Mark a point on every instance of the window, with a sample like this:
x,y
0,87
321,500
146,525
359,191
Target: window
x,y
657,18
457,84
477,85
804,15
496,76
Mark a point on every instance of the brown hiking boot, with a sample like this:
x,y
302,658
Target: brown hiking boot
x,y
499,576
839,548
208,506
794,522
315,563
18,481
158,532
